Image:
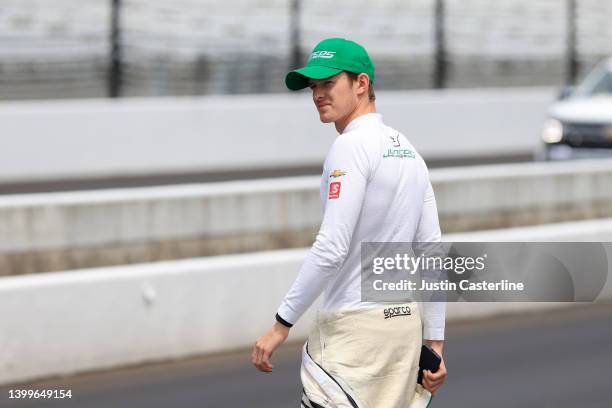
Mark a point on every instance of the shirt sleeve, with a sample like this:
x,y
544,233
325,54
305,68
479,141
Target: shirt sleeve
x,y
347,171
434,313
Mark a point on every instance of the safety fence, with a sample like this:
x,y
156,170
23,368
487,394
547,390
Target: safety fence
x,y
95,48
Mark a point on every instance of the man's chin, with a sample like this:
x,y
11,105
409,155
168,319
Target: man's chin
x,y
325,118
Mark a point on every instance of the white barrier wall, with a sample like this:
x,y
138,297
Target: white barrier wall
x,y
56,231
105,138
61,323
78,320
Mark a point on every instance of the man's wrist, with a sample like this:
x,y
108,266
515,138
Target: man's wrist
x,y
279,328
437,345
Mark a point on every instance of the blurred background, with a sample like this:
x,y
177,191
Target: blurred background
x,y
96,48
159,188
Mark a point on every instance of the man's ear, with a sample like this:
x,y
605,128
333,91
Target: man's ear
x,y
363,81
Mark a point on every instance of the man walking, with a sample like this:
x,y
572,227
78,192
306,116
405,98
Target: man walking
x,y
375,188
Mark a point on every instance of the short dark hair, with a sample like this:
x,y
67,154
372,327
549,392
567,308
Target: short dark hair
x,y
353,77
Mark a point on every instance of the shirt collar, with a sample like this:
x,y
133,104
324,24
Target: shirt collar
x,y
368,118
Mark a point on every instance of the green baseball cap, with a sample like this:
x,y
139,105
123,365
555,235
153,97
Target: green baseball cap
x,y
330,57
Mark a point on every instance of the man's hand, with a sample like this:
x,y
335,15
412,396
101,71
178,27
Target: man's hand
x,y
433,381
265,346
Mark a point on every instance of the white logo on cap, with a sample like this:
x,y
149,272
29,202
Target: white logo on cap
x,y
322,54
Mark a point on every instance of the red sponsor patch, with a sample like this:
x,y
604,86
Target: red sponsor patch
x,y
334,189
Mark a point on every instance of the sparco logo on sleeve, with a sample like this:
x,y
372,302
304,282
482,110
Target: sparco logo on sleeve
x,y
397,311
322,54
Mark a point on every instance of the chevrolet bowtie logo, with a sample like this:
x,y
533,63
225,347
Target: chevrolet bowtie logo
x,y
337,173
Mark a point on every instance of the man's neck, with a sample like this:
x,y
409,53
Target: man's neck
x,y
360,110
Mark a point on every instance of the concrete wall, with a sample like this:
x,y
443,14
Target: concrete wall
x,y
67,322
109,138
45,232
90,319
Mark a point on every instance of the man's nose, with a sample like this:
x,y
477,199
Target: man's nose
x,y
317,94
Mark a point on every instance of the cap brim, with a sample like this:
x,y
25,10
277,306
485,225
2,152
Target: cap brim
x,y
298,79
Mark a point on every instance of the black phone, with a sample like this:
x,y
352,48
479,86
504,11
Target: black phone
x,y
429,360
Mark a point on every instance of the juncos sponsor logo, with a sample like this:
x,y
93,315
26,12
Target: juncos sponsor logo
x,y
397,311
395,140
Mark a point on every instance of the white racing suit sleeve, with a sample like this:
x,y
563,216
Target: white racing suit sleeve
x,y
434,313
347,170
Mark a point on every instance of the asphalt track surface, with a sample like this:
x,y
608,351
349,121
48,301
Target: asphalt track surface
x,y
557,359
184,178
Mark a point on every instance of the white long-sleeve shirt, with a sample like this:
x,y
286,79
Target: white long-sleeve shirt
x,y
375,188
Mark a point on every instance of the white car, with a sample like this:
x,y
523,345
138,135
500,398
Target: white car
x,y
580,122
